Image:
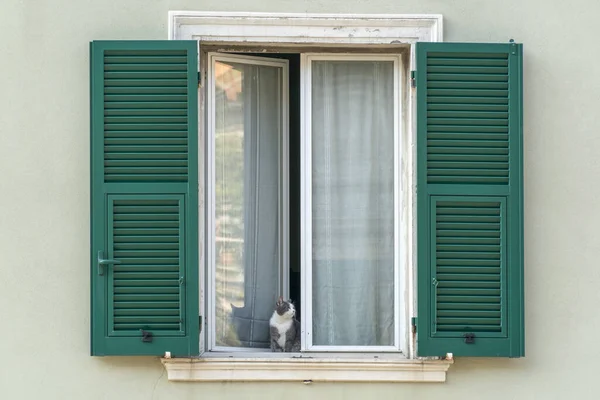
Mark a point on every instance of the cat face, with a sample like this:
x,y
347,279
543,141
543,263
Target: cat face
x,y
285,308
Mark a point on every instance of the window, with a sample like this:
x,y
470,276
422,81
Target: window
x,y
350,163
320,155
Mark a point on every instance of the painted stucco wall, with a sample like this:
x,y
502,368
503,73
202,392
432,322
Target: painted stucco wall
x,y
44,201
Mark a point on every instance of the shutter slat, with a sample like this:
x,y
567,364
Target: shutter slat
x,y
474,313
148,125
166,274
458,120
146,246
470,179
164,255
464,239
470,284
146,75
145,90
461,92
143,325
466,106
453,113
467,69
463,84
462,262
145,163
137,141
134,96
143,300
468,171
149,283
468,165
463,128
130,112
469,326
150,291
150,156
469,246
445,276
145,178
178,121
146,269
463,268
145,59
152,208
460,307
145,68
148,231
479,150
144,82
152,311
436,77
466,100
131,106
449,299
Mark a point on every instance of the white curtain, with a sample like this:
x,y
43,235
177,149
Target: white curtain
x,y
353,203
248,134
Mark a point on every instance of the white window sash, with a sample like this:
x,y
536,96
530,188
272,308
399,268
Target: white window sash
x,y
306,206
283,202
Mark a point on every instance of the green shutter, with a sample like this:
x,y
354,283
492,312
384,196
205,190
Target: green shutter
x,y
469,199
144,198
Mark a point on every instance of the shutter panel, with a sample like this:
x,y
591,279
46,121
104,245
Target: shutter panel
x,y
144,198
469,199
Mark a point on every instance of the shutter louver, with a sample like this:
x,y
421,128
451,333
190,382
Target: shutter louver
x,y
468,266
144,198
145,116
469,199
467,118
146,237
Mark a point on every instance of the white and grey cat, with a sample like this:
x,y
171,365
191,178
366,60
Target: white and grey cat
x,y
285,328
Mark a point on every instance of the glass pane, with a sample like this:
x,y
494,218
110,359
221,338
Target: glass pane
x,y
353,203
248,131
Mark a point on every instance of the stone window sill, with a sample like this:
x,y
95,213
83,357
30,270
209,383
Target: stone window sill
x,y
305,369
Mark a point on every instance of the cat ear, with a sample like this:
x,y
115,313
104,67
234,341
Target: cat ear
x,y
280,300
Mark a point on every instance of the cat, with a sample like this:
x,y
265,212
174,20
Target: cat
x,y
285,328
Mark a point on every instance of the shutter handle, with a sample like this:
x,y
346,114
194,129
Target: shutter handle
x,y
102,262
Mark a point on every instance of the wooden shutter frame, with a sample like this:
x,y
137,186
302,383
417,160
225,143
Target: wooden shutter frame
x,y
101,342
513,344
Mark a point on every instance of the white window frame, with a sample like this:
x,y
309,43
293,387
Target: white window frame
x,y
319,30
306,269
283,201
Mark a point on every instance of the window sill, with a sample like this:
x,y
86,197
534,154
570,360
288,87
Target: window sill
x,y
306,370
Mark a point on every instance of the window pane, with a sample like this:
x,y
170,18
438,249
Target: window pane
x,y
247,137
353,203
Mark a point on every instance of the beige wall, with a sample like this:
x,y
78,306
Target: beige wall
x,y
44,200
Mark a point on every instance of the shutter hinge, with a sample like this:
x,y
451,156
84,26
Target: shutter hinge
x,y
413,79
413,322
200,322
513,47
199,79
